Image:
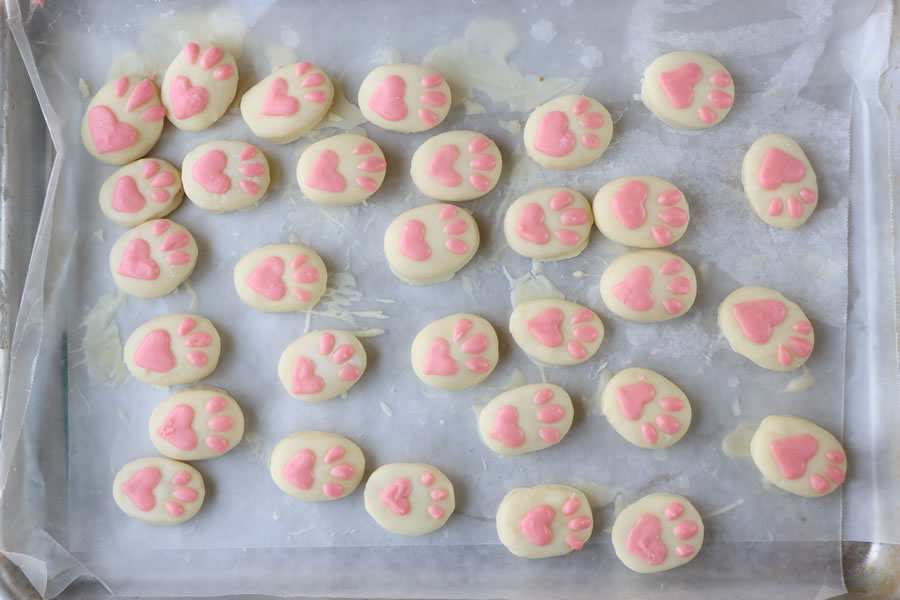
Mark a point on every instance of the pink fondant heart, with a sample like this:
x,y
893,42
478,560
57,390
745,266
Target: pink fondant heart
x,y
530,225
136,261
396,495
107,133
440,167
154,352
643,540
678,84
536,525
387,101
176,428
187,100
412,242
778,167
792,453
554,137
139,488
632,398
266,279
634,289
628,204
208,172
506,427
304,379
298,470
438,360
278,103
545,327
324,174
126,197
757,318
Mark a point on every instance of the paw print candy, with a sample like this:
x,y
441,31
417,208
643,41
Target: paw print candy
x,y
657,533
405,98
288,103
199,86
568,132
409,498
555,331
196,423
429,244
456,166
526,419
224,176
342,169
146,189
645,408
648,286
173,349
159,491
779,181
798,456
153,259
641,211
322,365
767,328
317,466
687,90
456,352
544,521
549,224
281,278
123,121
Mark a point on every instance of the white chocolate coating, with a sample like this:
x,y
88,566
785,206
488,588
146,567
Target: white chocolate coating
x,y
687,90
455,352
199,86
223,176
555,331
544,521
568,132
280,278
321,365
173,349
657,533
455,166
404,97
159,491
409,498
648,286
641,211
316,466
779,181
645,408
549,224
527,418
196,423
153,259
146,189
342,169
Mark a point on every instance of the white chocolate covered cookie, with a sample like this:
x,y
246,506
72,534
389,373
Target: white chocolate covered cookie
x,y
288,103
555,331
199,86
321,365
153,259
342,169
455,352
146,189
409,498
544,520
779,181
568,132
405,98
549,224
173,349
430,243
316,466
159,491
657,533
223,176
767,328
281,278
526,419
123,121
196,423
648,286
456,165
798,456
645,408
687,90
641,211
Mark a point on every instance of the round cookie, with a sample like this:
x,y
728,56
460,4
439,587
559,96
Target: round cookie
x,y
288,103
798,456
568,132
409,498
556,331
316,466
342,169
322,365
779,181
430,243
196,423
146,189
159,491
173,349
223,176
405,98
767,328
455,166
687,90
281,278
648,286
657,533
549,224
123,121
645,408
544,520
456,352
199,86
527,418
153,259
641,211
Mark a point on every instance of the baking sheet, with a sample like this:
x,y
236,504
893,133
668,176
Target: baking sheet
x,y
790,84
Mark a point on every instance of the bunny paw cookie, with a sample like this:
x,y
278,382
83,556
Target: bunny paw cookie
x,y
779,181
645,408
342,169
141,191
281,278
456,165
196,424
159,491
657,533
322,365
526,419
568,132
153,259
455,352
544,520
549,224
409,498
173,349
641,211
224,176
199,86
316,466
555,331
405,98
687,90
648,286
